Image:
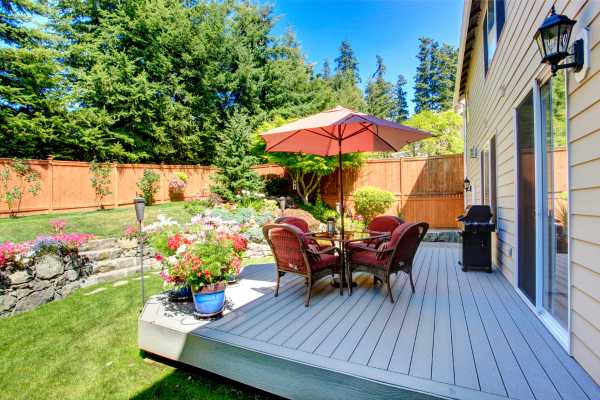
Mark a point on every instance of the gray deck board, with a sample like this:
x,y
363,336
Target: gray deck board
x,y
465,336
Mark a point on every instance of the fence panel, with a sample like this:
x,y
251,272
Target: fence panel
x,y
426,189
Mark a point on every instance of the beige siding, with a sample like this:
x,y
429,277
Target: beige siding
x,y
491,101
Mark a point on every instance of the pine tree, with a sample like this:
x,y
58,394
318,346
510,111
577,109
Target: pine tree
x,y
31,102
346,62
234,160
326,71
423,93
400,112
379,96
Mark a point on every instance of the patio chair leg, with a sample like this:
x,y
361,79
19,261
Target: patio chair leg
x,y
307,294
387,281
277,284
412,283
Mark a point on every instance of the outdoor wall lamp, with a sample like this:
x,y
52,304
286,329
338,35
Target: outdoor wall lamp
x,y
467,184
282,204
553,38
140,204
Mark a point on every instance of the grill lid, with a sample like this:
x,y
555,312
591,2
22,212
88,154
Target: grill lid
x,y
476,213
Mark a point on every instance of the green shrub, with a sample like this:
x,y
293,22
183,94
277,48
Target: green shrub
x,y
148,185
320,210
370,201
276,185
100,181
195,207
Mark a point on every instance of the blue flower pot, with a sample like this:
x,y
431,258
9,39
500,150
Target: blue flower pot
x,y
180,293
208,304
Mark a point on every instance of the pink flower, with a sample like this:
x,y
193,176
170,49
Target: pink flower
x,y
58,225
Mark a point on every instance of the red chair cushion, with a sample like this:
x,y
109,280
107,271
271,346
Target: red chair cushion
x,y
384,223
326,260
296,221
365,257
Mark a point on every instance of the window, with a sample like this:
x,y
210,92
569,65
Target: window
x,y
493,22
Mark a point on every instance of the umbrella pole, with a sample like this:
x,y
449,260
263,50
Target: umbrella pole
x,y
341,186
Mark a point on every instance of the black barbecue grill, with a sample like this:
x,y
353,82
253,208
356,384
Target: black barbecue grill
x,y
477,237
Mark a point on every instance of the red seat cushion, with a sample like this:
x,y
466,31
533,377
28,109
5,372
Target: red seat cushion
x,y
366,257
326,260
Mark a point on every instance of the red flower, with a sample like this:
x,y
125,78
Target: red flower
x,y
158,258
207,274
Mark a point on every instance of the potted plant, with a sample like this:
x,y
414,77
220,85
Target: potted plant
x,y
177,186
173,273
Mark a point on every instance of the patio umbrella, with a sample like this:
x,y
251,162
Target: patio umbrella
x,y
340,131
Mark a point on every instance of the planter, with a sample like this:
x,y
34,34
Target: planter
x,y
180,293
176,196
209,301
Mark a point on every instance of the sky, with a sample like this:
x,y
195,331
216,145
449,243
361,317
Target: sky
x,y
390,28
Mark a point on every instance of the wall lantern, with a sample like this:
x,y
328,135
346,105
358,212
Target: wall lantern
x,y
553,38
139,205
467,184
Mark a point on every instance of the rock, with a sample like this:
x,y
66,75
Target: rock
x,y
49,266
127,243
71,275
34,300
39,284
69,288
20,293
7,301
19,277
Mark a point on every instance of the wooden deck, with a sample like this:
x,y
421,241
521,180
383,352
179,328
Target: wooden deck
x,y
460,336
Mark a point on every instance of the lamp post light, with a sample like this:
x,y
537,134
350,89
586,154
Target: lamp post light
x,y
553,38
282,205
467,184
139,204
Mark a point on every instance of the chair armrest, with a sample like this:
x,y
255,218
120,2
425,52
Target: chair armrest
x,y
327,250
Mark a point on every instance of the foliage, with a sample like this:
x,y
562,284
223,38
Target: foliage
x,y
58,225
346,62
320,210
100,181
371,201
435,77
182,176
400,111
195,207
446,128
379,93
276,185
148,185
16,179
234,160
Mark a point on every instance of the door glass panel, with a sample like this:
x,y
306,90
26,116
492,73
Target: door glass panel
x,y
555,268
526,198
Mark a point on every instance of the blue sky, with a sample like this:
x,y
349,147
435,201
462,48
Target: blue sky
x,y
386,27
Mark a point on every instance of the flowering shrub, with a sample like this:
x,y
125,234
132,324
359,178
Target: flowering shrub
x,y
15,256
205,253
176,185
58,225
12,255
130,232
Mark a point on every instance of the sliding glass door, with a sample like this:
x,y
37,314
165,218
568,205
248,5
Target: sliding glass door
x,y
555,194
542,203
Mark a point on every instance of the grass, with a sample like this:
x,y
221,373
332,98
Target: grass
x,y
103,223
85,347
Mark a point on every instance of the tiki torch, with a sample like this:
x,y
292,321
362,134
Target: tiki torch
x,y
139,205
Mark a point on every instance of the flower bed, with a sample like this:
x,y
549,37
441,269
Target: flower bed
x,y
35,272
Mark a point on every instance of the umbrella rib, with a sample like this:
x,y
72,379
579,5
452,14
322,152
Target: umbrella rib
x,y
383,140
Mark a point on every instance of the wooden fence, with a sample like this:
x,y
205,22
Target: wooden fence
x,y
426,189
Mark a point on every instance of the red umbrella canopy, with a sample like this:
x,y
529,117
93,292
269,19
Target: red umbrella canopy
x,y
327,132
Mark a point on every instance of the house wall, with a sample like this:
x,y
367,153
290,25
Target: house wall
x,y
491,101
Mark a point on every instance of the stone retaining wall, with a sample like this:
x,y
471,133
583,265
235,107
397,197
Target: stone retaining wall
x,y
50,277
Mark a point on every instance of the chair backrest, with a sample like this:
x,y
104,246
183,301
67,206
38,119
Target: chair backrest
x,y
406,239
384,223
287,244
296,221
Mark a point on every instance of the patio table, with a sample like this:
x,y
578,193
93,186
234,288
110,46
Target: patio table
x,y
342,244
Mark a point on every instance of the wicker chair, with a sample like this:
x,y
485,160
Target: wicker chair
x,y
303,226
296,253
390,257
379,225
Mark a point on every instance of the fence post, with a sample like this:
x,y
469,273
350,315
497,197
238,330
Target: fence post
x,y
115,167
51,179
163,197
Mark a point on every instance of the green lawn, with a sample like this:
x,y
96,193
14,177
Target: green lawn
x,y
85,347
105,223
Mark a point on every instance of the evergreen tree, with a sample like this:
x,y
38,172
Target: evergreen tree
x,y
234,160
400,112
423,93
379,96
326,71
31,103
347,63
434,81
